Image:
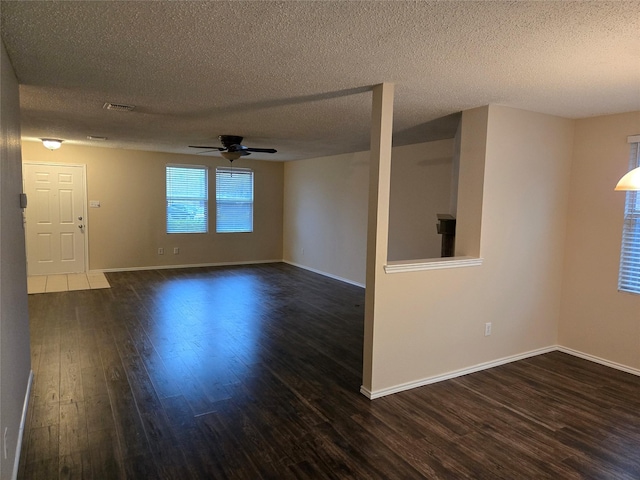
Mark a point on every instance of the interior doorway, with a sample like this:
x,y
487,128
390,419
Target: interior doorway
x,y
55,218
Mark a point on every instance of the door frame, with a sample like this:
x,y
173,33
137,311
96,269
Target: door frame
x,y
85,207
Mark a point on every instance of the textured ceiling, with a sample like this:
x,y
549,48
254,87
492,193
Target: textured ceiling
x,y
296,75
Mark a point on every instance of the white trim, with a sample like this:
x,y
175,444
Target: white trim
x,y
432,264
320,272
187,165
23,421
633,139
233,169
601,361
194,265
85,218
372,395
366,392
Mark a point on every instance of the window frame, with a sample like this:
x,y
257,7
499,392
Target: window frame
x,y
224,205
195,202
629,271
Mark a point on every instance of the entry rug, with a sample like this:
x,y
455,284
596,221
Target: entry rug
x,y
66,283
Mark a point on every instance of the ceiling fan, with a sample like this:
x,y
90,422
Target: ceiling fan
x,y
232,148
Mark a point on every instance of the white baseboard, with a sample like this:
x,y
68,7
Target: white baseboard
x,y
193,265
494,363
366,392
23,421
320,272
456,373
601,361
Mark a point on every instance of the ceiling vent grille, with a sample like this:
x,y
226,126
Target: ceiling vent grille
x,y
118,107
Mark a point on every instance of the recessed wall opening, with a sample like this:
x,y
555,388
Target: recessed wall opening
x,y
424,191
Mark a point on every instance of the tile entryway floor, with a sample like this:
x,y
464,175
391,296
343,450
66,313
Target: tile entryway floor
x,y
65,283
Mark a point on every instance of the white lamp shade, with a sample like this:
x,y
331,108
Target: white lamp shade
x,y
51,143
231,156
631,181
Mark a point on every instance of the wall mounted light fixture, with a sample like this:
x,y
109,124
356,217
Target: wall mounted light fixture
x,y
51,143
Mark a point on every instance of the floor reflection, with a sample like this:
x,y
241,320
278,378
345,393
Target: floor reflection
x,y
209,328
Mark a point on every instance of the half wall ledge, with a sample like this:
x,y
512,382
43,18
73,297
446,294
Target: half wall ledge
x,y
431,264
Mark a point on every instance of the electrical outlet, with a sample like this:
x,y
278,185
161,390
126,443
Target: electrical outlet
x,y
487,329
161,251
176,250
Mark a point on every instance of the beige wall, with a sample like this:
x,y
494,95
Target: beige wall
x,y
595,318
430,323
325,214
326,204
420,189
129,227
15,359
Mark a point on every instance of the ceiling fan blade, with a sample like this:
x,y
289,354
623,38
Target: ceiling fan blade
x,y
241,149
262,150
205,152
220,149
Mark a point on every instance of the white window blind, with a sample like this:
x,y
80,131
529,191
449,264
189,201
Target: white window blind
x,y
629,276
187,199
234,200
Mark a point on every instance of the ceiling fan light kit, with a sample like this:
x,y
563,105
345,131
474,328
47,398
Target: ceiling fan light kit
x,y
231,156
232,148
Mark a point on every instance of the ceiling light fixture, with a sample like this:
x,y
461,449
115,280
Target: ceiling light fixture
x,y
629,182
231,156
51,143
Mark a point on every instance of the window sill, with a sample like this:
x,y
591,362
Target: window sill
x,y
431,264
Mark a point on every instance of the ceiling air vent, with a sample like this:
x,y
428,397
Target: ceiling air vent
x,y
118,107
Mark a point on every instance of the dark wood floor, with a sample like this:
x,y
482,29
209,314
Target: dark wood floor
x,y
254,372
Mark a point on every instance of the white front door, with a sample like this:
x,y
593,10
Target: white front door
x,y
55,218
